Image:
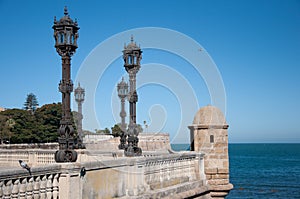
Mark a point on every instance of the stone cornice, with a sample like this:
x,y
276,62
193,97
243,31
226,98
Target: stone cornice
x,y
208,126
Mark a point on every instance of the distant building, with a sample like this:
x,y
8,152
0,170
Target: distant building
x,y
2,109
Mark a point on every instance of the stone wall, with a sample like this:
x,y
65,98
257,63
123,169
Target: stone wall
x,y
90,138
162,176
147,141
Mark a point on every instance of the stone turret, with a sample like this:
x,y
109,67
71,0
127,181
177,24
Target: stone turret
x,y
209,135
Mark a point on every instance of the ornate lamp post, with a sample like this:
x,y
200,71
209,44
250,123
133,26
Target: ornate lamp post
x,y
66,34
132,56
122,93
79,94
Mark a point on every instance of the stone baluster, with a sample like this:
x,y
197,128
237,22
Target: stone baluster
x,y
169,163
174,170
15,189
191,166
161,174
36,188
55,186
157,171
49,186
178,169
43,187
22,188
29,189
170,169
163,170
7,189
1,191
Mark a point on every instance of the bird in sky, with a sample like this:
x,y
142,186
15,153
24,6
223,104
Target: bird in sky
x,y
25,166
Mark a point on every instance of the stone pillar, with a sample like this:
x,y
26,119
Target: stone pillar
x,y
69,182
209,135
135,179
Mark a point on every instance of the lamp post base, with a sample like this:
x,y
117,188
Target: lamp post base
x,y
122,144
65,156
133,151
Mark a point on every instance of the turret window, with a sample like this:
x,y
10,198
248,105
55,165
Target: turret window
x,y
211,139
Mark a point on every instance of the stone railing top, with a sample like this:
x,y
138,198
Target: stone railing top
x,y
30,146
28,150
153,134
7,174
125,161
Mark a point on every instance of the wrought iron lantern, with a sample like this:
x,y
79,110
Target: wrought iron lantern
x,y
79,94
122,93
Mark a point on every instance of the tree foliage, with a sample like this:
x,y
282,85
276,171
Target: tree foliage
x,y
31,102
5,132
116,131
48,118
21,126
76,117
105,131
140,128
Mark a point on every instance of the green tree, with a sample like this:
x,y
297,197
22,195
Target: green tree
x,y
48,117
5,132
42,126
106,131
31,102
22,124
116,131
76,117
140,128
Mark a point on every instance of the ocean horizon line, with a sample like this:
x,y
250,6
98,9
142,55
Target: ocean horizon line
x,y
251,143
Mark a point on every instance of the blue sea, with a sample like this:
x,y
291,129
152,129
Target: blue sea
x,y
262,170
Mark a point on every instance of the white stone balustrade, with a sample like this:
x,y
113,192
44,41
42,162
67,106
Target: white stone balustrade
x,y
166,170
42,184
33,157
137,176
113,178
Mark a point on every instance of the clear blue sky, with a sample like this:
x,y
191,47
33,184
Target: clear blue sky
x,y
254,44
